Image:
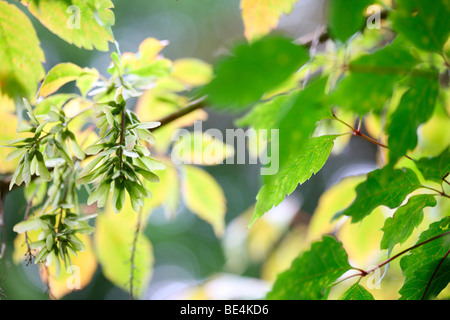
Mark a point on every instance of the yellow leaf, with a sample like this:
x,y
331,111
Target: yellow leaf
x,y
165,193
261,16
78,275
193,72
114,239
361,240
333,200
156,104
8,125
204,197
201,148
58,76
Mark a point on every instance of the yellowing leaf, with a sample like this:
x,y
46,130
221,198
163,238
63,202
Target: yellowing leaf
x,y
261,16
148,61
204,197
78,275
201,148
64,73
86,24
165,193
114,239
336,198
20,53
193,72
156,104
8,125
361,240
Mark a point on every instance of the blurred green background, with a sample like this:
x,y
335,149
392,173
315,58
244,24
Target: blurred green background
x,y
187,253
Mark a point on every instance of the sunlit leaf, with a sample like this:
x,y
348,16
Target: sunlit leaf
x,y
64,73
261,16
86,24
166,193
77,276
201,148
193,72
114,238
204,197
20,57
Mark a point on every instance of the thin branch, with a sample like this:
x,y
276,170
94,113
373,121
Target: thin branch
x,y
434,274
357,132
409,249
192,106
133,254
363,273
122,138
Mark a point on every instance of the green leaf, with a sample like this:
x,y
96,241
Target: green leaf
x,y
415,108
312,273
295,120
346,17
26,225
77,151
86,80
204,197
357,292
407,217
420,264
252,70
372,78
424,23
436,168
150,164
100,195
15,153
266,114
118,198
299,169
298,119
383,187
90,166
20,57
86,24
26,172
58,76
42,168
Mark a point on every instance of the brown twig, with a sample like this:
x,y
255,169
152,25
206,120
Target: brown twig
x,y
192,106
363,273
